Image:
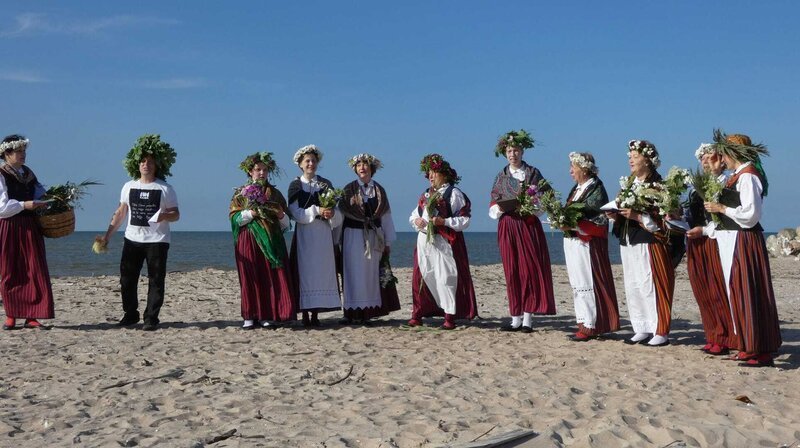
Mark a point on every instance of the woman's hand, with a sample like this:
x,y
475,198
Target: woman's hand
x,y
630,214
612,215
714,207
326,213
32,205
694,233
420,223
280,214
437,221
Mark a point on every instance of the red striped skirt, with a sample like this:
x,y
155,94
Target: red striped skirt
x,y
708,285
605,294
664,281
24,277
526,263
754,311
267,292
466,305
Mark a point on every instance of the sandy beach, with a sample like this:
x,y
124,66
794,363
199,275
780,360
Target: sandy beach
x,y
200,377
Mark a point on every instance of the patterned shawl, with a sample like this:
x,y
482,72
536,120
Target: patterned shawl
x,y
353,207
266,230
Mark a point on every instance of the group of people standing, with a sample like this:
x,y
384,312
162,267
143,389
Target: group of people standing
x,y
339,255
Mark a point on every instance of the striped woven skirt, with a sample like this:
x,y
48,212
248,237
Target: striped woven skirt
x,y
24,277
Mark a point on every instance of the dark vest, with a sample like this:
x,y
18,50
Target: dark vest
x,y
698,216
369,211
636,233
731,198
448,209
19,191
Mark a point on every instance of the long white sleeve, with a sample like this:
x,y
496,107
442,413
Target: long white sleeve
x,y
8,207
495,212
414,215
387,225
284,222
748,213
337,219
457,201
648,223
303,215
244,218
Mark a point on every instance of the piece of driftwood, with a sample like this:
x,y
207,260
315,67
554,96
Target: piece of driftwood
x,y
499,440
349,372
220,438
174,373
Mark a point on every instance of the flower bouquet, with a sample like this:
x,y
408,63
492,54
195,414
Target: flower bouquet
x,y
561,216
330,197
431,206
529,199
386,276
58,218
636,196
256,197
708,187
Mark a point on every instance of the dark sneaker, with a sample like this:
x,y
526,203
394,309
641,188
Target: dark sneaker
x,y
150,326
128,320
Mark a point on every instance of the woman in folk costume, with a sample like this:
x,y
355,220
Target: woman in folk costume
x,y
646,262
258,219
703,262
369,287
441,282
312,257
586,253
24,277
743,252
523,247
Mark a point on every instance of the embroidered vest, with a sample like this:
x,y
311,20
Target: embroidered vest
x,y
731,198
19,191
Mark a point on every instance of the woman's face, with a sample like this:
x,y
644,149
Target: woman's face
x,y
713,164
514,155
577,174
436,179
638,163
16,158
363,171
259,171
309,165
730,162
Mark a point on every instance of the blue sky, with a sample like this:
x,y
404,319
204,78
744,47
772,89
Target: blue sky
x,y
220,80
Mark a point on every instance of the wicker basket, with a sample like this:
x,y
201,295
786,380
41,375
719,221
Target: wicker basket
x,y
58,225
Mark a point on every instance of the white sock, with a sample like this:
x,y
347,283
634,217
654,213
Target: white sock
x,y
516,321
658,339
526,320
247,323
640,337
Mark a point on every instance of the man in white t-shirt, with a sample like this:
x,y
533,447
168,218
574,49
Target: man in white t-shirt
x,y
150,204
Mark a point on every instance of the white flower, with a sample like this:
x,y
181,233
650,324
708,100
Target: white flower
x,y
308,149
13,145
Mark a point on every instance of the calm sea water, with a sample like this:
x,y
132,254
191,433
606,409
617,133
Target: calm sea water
x,y
72,255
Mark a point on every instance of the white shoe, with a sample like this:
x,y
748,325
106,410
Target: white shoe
x,y
248,324
638,337
265,324
658,341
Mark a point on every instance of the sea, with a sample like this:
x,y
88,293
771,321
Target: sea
x,y
189,251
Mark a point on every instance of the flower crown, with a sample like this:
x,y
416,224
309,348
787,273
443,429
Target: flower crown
x,y
369,159
308,149
435,162
518,139
582,162
260,157
150,145
646,149
16,144
705,148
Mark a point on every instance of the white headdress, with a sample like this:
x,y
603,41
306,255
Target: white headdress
x,y
16,144
308,149
582,162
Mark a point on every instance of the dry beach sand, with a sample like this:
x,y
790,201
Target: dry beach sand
x,y
200,377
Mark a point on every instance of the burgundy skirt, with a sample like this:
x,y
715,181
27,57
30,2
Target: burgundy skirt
x,y
267,292
708,285
526,263
24,277
752,297
466,305
605,294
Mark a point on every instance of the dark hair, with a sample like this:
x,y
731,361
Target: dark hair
x,y
9,139
372,168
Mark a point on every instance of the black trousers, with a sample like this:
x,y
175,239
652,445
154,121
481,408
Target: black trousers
x,y
133,257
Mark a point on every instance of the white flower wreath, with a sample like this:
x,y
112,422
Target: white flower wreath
x,y
16,144
705,148
308,149
364,157
646,149
582,162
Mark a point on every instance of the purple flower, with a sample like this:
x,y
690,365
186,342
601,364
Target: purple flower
x,y
254,194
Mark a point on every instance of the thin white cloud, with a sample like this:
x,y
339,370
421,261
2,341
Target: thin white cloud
x,y
22,76
32,24
176,83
